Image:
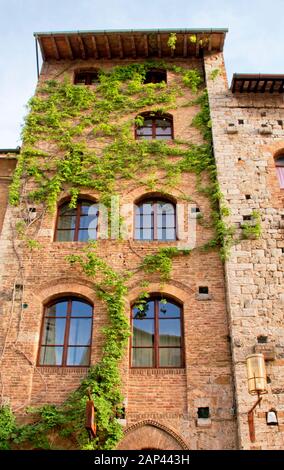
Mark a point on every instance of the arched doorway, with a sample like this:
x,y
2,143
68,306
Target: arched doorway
x,y
149,434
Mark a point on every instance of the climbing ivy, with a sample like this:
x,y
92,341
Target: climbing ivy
x,y
67,116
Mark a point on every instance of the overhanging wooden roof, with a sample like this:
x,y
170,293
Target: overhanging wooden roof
x,y
257,83
126,44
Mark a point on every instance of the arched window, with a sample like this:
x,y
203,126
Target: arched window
x,y
155,126
79,224
86,77
155,219
157,339
66,333
279,163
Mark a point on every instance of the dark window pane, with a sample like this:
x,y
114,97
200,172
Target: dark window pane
x,y
166,234
147,313
83,236
170,357
163,137
80,331
163,124
51,356
168,310
87,220
65,235
57,310
88,207
78,356
280,161
142,357
67,222
81,309
143,332
170,334
54,330
66,210
163,131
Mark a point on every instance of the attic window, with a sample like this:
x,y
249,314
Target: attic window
x,y
86,77
155,76
203,290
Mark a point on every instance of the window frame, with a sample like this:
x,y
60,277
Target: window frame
x,y
157,298
155,199
80,201
88,80
154,118
69,300
279,172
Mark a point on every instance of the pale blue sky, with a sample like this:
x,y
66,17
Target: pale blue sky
x,y
254,42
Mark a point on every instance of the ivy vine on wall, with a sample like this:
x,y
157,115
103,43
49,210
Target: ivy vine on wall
x,y
68,117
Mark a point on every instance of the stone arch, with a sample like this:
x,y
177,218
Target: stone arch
x,y
65,286
150,434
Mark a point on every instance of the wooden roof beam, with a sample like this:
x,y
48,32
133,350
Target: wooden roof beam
x,y
120,46
107,47
271,89
281,89
159,45
197,45
55,48
185,41
242,86
82,47
95,49
68,44
255,89
146,45
133,46
249,87
222,40
210,43
262,90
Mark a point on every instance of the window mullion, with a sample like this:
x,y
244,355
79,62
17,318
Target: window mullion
x,y
67,330
77,221
156,337
154,128
155,209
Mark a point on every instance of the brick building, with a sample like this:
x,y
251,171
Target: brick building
x,y
184,377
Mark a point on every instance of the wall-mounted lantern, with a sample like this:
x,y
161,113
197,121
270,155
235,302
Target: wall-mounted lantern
x,y
257,385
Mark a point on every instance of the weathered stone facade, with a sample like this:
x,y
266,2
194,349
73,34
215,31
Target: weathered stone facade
x,y
245,301
254,271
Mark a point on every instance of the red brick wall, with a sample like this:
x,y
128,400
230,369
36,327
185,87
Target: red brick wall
x,y
170,397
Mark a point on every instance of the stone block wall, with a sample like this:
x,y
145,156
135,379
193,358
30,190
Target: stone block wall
x,y
254,270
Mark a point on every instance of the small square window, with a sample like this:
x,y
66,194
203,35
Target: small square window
x,y
203,290
203,412
262,339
